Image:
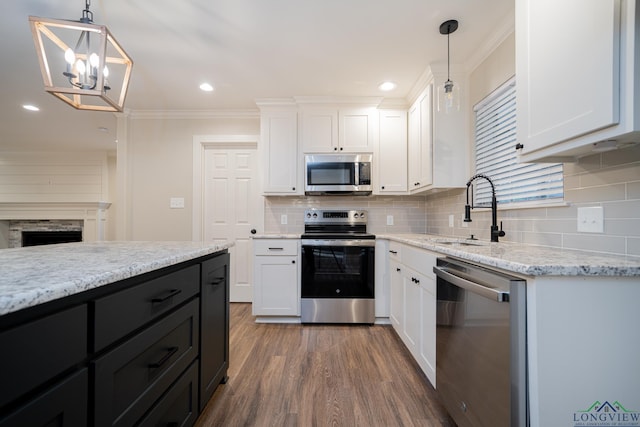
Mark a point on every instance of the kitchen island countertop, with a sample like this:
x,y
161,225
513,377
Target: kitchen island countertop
x,y
34,275
525,259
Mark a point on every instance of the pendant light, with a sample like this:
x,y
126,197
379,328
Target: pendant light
x,y
448,93
81,62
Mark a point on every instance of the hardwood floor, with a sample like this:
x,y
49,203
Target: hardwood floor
x,y
318,375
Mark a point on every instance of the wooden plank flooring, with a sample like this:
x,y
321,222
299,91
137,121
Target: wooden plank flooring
x,y
319,375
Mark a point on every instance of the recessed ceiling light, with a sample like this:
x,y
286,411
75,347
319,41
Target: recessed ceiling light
x,y
30,107
387,86
206,87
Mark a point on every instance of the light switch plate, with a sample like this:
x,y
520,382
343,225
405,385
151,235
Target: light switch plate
x,y
283,219
451,223
591,219
389,219
176,203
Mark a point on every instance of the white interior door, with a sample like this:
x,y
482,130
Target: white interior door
x,y
231,209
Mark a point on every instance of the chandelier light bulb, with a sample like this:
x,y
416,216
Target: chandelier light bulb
x,y
80,66
105,72
69,56
94,60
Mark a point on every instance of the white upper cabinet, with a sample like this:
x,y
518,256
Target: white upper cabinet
x,y
576,77
391,155
421,141
279,151
438,146
330,129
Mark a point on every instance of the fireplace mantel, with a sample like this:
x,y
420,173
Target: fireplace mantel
x,y
93,214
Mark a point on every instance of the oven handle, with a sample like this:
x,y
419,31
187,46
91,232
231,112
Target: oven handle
x,y
338,242
476,288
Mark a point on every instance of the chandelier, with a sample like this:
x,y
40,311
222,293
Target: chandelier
x,y
81,62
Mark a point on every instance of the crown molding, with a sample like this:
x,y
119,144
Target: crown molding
x,y
194,114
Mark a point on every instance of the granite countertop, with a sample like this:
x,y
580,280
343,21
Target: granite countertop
x,y
525,259
35,275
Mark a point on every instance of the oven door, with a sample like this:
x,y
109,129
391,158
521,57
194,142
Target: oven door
x,y
338,268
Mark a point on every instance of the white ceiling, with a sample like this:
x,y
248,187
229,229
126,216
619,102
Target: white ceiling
x,y
246,49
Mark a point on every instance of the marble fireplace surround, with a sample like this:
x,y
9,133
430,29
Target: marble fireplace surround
x,y
90,217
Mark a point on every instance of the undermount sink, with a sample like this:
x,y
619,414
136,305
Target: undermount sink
x,y
459,242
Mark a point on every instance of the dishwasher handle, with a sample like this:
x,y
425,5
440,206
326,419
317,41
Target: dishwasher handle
x,y
476,288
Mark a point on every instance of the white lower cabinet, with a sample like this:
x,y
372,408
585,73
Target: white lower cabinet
x,y
276,264
413,303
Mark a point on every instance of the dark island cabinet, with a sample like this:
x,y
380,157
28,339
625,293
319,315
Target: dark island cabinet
x,y
214,330
149,350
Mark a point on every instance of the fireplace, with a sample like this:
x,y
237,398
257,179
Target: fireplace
x,y
44,232
90,218
36,238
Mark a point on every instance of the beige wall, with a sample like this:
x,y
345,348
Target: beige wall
x,y
160,166
610,180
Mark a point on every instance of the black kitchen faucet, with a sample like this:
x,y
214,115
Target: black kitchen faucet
x,y
495,232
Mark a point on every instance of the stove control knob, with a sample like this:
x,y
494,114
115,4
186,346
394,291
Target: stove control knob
x,y
362,215
355,215
315,215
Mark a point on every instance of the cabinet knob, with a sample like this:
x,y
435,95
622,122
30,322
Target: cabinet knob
x,y
253,231
382,187
519,146
335,148
340,148
293,261
397,268
293,188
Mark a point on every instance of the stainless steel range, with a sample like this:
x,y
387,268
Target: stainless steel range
x,y
337,267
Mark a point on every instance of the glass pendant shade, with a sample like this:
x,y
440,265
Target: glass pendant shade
x,y
448,97
81,63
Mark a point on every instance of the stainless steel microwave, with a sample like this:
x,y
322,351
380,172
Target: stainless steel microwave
x,y
337,174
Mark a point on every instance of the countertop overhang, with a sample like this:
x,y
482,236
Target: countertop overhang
x,y
35,275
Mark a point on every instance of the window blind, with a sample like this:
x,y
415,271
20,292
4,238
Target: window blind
x,y
496,156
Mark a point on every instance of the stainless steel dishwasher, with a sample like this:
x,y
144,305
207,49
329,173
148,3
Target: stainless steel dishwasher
x,y
481,345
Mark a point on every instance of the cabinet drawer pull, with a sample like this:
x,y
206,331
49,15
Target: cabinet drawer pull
x,y
394,252
216,281
171,293
276,249
170,352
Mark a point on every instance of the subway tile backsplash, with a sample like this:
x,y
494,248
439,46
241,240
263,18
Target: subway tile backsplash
x,y
409,215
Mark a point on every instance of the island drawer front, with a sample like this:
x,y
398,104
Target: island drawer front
x,y
65,402
38,351
118,314
131,378
178,407
275,247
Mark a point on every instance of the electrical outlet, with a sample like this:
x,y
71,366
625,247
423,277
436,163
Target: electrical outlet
x,y
283,219
591,219
451,221
389,219
176,203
